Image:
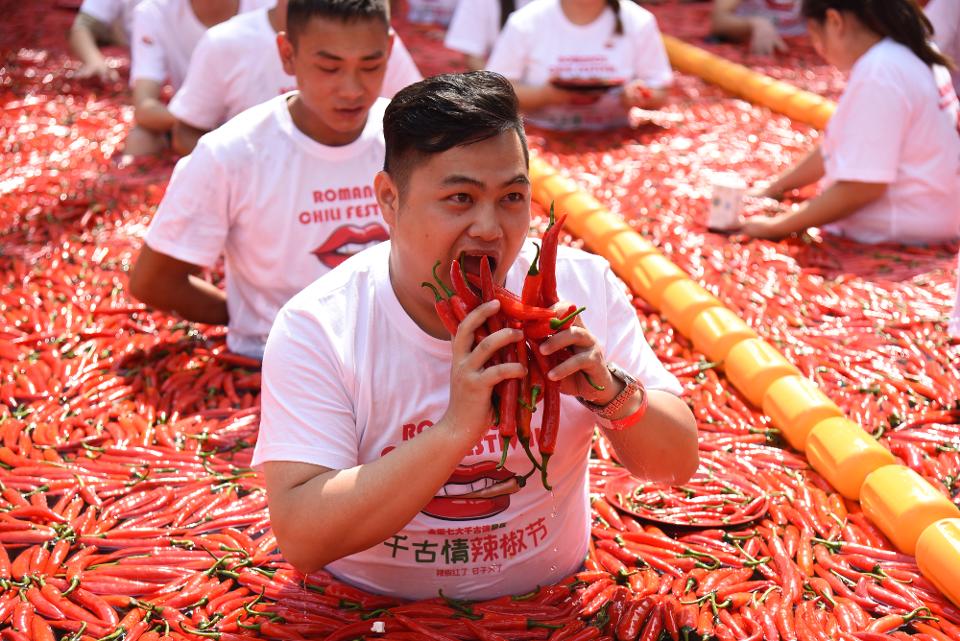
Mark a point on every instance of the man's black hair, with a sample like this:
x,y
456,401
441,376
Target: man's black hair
x,y
446,111
300,12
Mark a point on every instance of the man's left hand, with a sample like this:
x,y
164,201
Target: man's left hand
x,y
587,360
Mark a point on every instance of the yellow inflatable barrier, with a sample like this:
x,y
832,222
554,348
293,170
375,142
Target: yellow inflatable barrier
x,y
651,274
845,455
753,365
938,555
682,301
714,331
795,405
903,504
759,89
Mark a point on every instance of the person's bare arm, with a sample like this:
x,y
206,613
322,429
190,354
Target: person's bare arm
x,y
837,202
533,97
806,172
661,446
149,112
636,94
759,31
163,282
83,43
185,137
320,515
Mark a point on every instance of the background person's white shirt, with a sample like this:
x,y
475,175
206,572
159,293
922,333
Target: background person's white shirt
x,y
945,16
282,208
111,12
432,11
348,375
475,26
236,65
165,33
893,125
784,14
524,53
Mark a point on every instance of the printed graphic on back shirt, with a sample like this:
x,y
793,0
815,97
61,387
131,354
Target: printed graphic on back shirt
x,y
344,204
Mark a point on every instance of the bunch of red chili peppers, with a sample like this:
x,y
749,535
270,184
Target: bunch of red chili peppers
x,y
515,400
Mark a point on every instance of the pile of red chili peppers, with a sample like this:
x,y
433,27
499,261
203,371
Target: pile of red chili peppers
x,y
128,509
516,400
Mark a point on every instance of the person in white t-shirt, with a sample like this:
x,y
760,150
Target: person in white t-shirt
x,y
236,66
284,191
165,33
475,27
761,22
890,157
376,437
602,57
944,15
103,22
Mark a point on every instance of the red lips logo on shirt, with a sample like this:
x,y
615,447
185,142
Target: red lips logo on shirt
x,y
782,5
474,491
347,241
147,40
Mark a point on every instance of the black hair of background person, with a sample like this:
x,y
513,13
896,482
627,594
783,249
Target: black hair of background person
x,y
447,111
901,20
300,12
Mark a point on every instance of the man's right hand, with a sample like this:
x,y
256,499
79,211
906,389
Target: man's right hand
x,y
470,412
99,70
764,39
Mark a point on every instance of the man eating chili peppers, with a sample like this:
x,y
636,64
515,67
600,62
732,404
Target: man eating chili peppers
x,y
378,440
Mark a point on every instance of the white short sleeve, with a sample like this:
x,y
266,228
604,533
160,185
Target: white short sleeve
x,y
401,70
147,59
200,100
864,143
652,66
510,52
106,11
626,345
307,415
469,30
192,221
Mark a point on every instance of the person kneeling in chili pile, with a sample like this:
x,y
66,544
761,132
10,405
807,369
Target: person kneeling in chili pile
x,y
377,438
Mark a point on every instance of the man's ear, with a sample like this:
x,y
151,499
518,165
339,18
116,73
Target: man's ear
x,y
388,196
286,50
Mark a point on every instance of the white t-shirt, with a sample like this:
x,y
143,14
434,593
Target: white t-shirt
x,y
432,11
475,26
784,14
524,55
945,16
112,11
348,376
894,124
281,207
236,66
165,33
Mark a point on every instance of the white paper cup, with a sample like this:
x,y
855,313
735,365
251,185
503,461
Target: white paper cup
x,y
726,201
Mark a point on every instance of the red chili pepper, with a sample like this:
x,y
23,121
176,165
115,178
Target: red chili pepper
x,y
443,309
548,261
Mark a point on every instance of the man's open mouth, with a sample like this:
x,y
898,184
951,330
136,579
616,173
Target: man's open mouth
x,y
474,492
347,241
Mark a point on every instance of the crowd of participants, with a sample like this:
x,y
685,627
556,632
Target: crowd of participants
x,y
330,177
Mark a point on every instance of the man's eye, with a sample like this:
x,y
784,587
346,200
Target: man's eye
x,y
515,197
327,69
460,199
372,69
